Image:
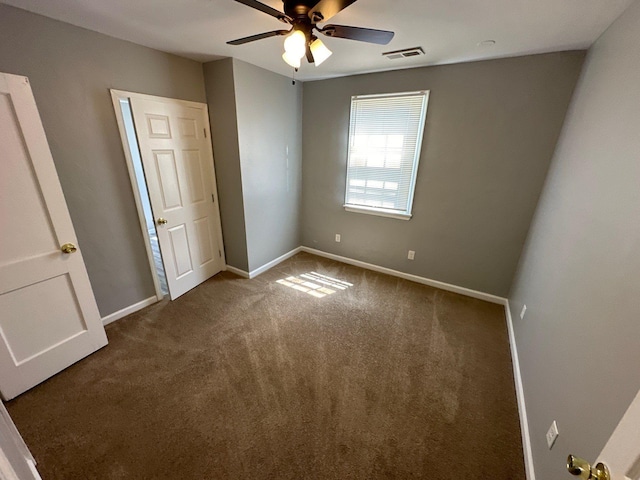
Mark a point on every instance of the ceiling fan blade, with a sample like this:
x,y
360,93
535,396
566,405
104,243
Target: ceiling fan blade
x,y
266,9
325,9
259,36
381,37
310,58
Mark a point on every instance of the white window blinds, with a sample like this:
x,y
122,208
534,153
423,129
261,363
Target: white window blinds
x,y
385,136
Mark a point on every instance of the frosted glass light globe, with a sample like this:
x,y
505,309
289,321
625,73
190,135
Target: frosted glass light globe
x,y
295,44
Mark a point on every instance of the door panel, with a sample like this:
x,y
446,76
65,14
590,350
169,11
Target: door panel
x,y
205,242
178,165
188,127
24,335
180,250
27,238
168,179
158,126
48,315
194,175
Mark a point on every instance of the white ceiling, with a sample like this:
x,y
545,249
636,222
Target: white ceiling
x,y
448,30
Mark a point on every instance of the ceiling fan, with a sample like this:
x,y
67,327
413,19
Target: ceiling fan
x,y
304,16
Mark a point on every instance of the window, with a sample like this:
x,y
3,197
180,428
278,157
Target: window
x,y
385,136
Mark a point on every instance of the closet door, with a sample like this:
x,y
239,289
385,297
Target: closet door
x,y
178,166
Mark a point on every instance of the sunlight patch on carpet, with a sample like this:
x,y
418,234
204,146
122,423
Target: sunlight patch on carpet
x,y
315,284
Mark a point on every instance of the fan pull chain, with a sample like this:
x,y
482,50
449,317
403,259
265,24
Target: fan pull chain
x,y
293,76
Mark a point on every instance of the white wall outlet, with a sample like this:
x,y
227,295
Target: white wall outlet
x,y
338,237
523,311
552,434
411,255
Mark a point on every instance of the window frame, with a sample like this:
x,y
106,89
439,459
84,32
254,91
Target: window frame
x,y
381,211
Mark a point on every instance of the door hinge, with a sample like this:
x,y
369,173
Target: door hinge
x,y
205,132
213,199
219,253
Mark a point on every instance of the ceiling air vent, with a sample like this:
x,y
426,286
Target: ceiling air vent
x,y
407,52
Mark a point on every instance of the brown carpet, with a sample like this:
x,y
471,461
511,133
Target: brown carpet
x,y
252,379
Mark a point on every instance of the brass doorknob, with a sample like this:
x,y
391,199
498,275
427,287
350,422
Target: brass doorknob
x,y
581,468
162,221
68,248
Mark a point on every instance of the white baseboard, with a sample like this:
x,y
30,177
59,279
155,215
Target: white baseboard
x,y
265,267
369,266
237,271
273,263
129,310
408,276
522,409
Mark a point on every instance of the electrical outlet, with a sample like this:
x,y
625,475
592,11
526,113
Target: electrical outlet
x,y
411,255
523,311
338,237
552,434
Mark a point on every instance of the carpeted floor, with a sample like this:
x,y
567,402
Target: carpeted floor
x,y
254,379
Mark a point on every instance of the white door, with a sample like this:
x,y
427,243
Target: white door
x,y
622,452
178,165
16,462
48,314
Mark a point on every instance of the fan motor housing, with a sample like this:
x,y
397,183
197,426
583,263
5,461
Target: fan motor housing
x,y
299,9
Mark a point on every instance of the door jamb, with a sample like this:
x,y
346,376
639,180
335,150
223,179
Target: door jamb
x,y
116,96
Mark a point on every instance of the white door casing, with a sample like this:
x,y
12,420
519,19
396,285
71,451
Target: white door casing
x,y
48,315
622,452
173,137
16,462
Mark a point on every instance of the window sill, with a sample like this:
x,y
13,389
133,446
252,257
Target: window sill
x,y
377,211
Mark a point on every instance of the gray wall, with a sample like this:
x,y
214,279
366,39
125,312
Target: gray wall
x,y
256,121
71,71
221,98
490,134
269,110
580,270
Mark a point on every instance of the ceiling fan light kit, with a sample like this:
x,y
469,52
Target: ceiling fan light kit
x,y
295,46
320,51
303,16
291,60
